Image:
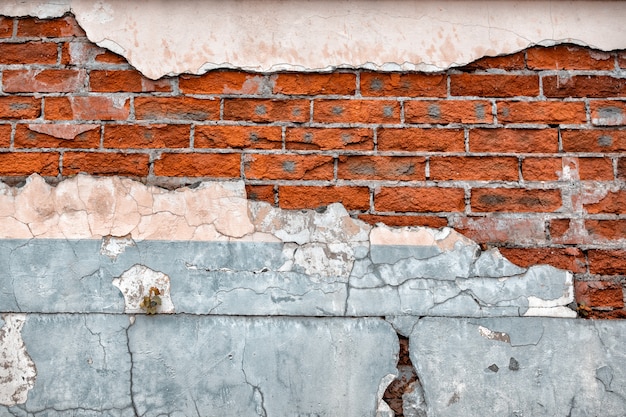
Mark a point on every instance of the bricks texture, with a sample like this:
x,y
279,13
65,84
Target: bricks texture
x,y
523,152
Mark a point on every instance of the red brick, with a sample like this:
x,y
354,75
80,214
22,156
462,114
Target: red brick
x,y
583,86
222,82
263,110
498,230
474,168
379,84
514,140
421,140
608,112
597,140
494,85
180,108
394,168
568,57
99,163
20,107
414,199
548,112
356,111
451,111
16,163
607,262
621,168
606,229
614,202
595,169
5,136
84,54
621,59
28,53
112,81
571,259
43,81
596,294
49,28
403,221
309,197
108,57
329,138
87,108
288,167
240,137
506,62
26,138
220,165
336,83
542,169
6,27
558,228
515,200
146,136
261,193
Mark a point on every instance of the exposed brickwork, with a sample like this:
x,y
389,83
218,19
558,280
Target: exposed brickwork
x,y
524,152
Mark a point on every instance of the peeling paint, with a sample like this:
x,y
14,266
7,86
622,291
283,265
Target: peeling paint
x,y
17,370
135,285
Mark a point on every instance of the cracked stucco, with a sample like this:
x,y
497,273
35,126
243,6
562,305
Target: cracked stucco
x,y
322,35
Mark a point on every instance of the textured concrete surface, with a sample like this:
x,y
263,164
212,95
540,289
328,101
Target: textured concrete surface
x,y
390,35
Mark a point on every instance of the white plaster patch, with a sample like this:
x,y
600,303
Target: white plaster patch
x,y
491,335
17,369
135,284
113,246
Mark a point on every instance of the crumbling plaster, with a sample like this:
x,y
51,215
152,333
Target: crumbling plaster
x,y
161,38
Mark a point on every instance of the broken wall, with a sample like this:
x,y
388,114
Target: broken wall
x,y
306,231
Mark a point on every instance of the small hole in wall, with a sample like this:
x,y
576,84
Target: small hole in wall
x,y
403,383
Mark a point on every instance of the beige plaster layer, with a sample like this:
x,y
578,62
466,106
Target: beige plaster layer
x,y
160,37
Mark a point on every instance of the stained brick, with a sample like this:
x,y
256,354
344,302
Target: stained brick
x,y
403,85
396,168
146,136
514,140
240,137
571,259
329,138
583,86
222,82
46,28
421,140
356,111
87,108
613,202
19,107
444,112
548,112
26,138
608,112
514,200
474,168
594,140
43,81
601,294
607,262
176,108
113,81
606,229
288,167
263,110
419,199
403,221
568,57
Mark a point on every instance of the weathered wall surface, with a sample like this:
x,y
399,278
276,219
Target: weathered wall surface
x,y
220,190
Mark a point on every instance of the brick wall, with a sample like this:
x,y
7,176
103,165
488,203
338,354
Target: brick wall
x,y
526,152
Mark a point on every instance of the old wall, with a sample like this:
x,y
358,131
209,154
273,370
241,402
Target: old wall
x,y
221,190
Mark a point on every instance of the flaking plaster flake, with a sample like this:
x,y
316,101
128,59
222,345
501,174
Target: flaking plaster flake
x,y
135,284
17,370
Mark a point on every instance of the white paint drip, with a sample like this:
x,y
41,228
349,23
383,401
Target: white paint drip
x,y
17,369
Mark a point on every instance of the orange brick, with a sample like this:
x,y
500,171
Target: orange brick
x,y
394,168
19,107
146,136
43,81
599,294
595,169
621,59
263,110
494,85
87,108
6,27
108,57
379,84
16,163
112,81
241,137
571,259
515,200
583,86
474,168
597,140
542,169
49,28
218,165
28,53
308,197
181,108
288,167
608,112
356,111
404,221
607,262
548,112
568,57
329,138
5,136
421,140
514,140
261,193
419,199
506,62
606,229
450,111
99,163
621,168
614,202
222,82
26,138
336,83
